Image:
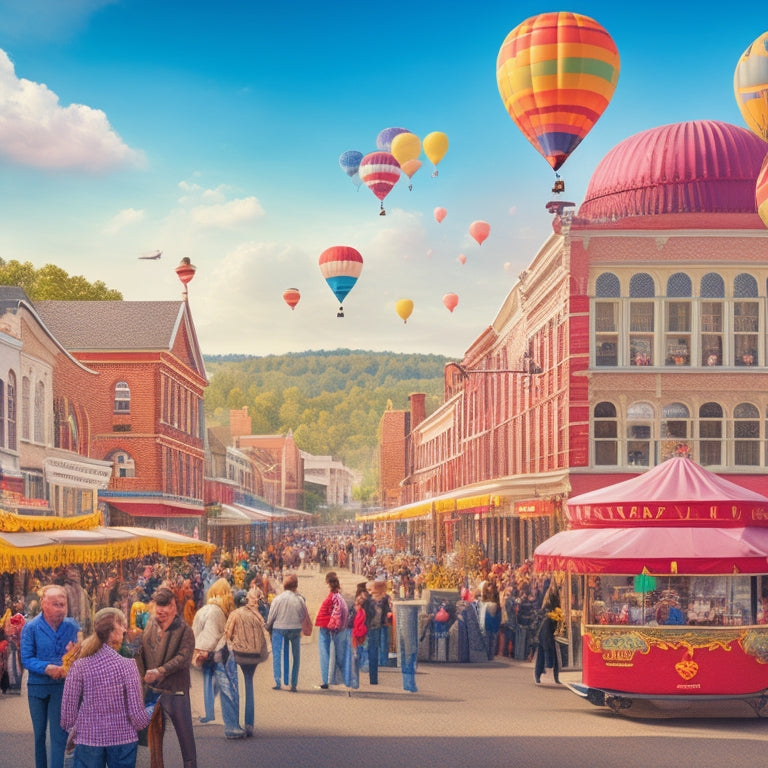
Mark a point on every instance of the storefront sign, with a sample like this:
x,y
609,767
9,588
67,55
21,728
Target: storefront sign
x,y
534,508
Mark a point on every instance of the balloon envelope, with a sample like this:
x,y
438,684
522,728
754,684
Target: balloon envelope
x,y
350,162
404,307
291,297
556,74
750,86
405,147
440,214
462,258
384,139
379,171
479,230
435,146
409,167
761,192
450,300
341,265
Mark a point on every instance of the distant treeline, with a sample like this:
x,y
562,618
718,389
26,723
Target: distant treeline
x,y
331,400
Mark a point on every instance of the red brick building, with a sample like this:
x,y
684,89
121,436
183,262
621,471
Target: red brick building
x,y
144,408
640,328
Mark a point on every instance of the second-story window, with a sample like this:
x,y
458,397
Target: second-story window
x,y
641,319
122,397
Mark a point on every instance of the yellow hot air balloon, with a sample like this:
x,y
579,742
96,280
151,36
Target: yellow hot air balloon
x,y
435,147
404,307
405,147
750,86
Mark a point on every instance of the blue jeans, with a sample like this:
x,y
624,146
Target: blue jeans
x,y
209,692
282,639
248,670
384,647
339,640
374,641
117,756
225,680
45,710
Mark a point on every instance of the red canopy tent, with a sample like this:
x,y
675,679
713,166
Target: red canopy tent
x,y
676,518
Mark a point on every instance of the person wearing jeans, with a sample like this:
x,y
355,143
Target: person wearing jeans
x,y
286,615
44,642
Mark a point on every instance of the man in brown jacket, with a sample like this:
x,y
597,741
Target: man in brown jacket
x,y
164,661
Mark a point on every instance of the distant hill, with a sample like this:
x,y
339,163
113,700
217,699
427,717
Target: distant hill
x,y
331,400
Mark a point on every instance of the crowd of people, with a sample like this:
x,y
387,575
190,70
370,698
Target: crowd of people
x,y
141,627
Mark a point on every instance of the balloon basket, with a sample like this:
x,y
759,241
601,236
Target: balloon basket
x,y
340,313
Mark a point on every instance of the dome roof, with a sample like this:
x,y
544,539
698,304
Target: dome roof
x,y
700,166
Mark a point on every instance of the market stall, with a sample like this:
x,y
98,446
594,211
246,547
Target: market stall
x,y
665,586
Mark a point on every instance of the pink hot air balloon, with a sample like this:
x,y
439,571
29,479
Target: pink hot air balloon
x,y
440,214
450,300
379,171
479,230
462,258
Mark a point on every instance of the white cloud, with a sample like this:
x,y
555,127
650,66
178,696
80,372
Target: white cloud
x,y
36,130
227,215
123,219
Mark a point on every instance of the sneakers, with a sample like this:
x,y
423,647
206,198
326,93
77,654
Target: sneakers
x,y
276,687
207,719
293,689
324,686
231,735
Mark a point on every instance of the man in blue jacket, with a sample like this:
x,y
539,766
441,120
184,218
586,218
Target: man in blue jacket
x,y
44,641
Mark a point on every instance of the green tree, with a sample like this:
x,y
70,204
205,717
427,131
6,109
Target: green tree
x,y
52,282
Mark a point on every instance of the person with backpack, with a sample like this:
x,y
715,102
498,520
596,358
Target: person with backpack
x,y
379,621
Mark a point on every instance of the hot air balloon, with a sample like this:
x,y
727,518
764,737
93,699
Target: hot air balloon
x,y
440,214
435,147
479,230
384,139
750,85
350,162
556,73
761,192
406,148
291,297
404,307
450,300
341,266
409,167
462,258
379,172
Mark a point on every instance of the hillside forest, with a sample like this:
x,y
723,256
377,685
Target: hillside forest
x,y
332,401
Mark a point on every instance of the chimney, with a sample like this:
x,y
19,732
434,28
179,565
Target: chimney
x,y
418,408
240,422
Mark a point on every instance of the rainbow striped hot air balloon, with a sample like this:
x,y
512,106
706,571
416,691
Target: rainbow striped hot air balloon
x,y
556,73
379,172
341,266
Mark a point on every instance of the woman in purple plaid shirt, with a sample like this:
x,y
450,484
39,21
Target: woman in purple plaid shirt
x,y
103,700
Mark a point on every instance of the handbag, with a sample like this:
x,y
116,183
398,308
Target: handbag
x,y
306,624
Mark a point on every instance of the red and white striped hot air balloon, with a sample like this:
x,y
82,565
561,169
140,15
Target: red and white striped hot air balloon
x,y
379,171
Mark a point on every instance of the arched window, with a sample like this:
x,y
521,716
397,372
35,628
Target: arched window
x,y
123,464
639,433
746,433
12,441
607,287
641,319
712,291
710,435
606,433
122,397
677,320
25,408
40,412
746,320
675,421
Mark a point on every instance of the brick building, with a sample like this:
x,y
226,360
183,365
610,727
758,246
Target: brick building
x,y
640,331
145,406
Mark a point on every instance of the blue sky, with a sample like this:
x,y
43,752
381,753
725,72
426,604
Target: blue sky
x,y
213,131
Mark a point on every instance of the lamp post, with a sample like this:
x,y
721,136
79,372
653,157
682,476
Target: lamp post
x,y
185,271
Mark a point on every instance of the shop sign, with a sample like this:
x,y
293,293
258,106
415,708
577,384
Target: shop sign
x,y
534,508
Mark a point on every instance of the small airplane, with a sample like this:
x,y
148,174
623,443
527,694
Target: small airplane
x,y
152,255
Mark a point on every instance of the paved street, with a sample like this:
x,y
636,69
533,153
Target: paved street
x,y
482,714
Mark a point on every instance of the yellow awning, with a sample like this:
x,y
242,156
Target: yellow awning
x,y
13,521
408,512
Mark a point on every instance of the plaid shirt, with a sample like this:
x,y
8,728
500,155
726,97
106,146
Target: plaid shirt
x,y
103,700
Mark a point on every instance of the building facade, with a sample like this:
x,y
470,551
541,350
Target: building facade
x,y
636,333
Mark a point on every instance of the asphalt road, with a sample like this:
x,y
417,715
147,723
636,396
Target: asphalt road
x,y
485,715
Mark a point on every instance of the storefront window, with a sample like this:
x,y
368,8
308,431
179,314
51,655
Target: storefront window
x,y
675,419
710,435
746,432
606,435
639,421
677,600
